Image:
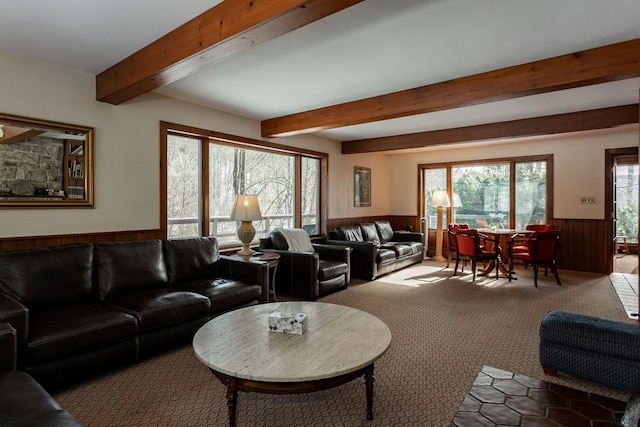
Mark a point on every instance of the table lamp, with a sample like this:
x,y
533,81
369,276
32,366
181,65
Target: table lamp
x,y
441,200
246,209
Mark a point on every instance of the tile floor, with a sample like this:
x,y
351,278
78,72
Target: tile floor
x,y
501,398
626,285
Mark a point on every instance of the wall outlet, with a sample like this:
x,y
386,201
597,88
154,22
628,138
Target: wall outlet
x,y
587,200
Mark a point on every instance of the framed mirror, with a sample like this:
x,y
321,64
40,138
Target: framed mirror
x,y
45,164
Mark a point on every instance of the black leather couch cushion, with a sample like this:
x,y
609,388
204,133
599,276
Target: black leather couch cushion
x,y
158,307
329,269
225,294
191,259
350,233
385,255
57,332
370,233
46,277
278,241
24,402
399,248
385,231
130,266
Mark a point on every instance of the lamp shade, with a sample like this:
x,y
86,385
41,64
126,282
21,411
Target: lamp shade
x,y
440,198
246,208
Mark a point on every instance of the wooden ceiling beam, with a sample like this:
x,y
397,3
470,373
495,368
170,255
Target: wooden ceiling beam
x,y
215,35
604,64
560,123
13,134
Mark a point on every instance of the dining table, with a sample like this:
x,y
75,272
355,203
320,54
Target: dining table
x,y
502,236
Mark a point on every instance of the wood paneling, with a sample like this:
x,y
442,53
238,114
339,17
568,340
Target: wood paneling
x,y
582,241
599,65
10,243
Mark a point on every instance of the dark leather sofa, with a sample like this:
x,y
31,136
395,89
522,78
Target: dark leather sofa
x,y
24,402
309,275
83,309
377,249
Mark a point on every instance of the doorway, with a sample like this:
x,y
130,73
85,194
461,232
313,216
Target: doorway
x,y
624,212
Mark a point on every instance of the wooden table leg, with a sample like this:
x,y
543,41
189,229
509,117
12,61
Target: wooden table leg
x,y
369,379
232,400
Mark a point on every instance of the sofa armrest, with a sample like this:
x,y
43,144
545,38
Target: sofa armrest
x,y
363,258
8,348
297,273
250,272
17,315
408,236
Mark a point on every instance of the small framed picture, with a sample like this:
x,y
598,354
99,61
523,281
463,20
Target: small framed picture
x,y
361,186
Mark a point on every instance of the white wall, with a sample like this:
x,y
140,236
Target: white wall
x,y
127,156
126,148
578,161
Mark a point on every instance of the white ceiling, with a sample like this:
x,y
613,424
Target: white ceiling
x,y
372,48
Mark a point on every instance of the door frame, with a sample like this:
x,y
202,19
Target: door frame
x,y
610,154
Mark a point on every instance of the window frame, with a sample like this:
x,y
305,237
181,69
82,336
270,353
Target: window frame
x,y
512,161
208,136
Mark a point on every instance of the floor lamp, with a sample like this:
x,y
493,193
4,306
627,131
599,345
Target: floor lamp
x,y
246,210
441,200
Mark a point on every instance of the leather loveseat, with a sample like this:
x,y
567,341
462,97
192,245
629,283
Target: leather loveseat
x,y
83,309
377,249
24,402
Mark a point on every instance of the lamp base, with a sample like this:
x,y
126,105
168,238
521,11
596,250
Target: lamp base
x,y
246,233
439,258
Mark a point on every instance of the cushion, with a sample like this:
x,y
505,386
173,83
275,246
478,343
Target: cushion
x,y
370,233
191,259
384,230
278,241
399,248
130,266
350,233
297,239
57,332
385,255
45,277
330,269
224,294
159,307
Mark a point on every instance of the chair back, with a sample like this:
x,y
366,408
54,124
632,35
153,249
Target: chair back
x,y
539,227
453,228
544,245
467,242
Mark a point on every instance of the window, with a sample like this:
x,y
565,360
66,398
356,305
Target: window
x,y
205,170
509,193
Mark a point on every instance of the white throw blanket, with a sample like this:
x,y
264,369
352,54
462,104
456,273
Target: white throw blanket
x,y
297,239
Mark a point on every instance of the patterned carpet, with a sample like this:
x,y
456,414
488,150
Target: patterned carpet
x,y
444,330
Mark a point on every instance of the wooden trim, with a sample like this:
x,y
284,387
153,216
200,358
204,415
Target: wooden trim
x,y
12,243
208,136
217,34
163,177
547,125
599,65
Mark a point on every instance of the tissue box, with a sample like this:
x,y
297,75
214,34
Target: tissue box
x,y
295,323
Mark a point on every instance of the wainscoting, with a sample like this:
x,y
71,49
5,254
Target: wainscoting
x,y
584,243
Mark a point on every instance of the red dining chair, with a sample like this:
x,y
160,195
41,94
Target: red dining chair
x,y
470,249
542,251
452,228
520,242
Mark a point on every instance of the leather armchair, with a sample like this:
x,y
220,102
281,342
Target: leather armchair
x,y
309,275
22,400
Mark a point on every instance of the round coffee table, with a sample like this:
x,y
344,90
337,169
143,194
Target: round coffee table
x,y
340,344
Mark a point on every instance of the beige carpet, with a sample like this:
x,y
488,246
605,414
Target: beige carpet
x,y
444,330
